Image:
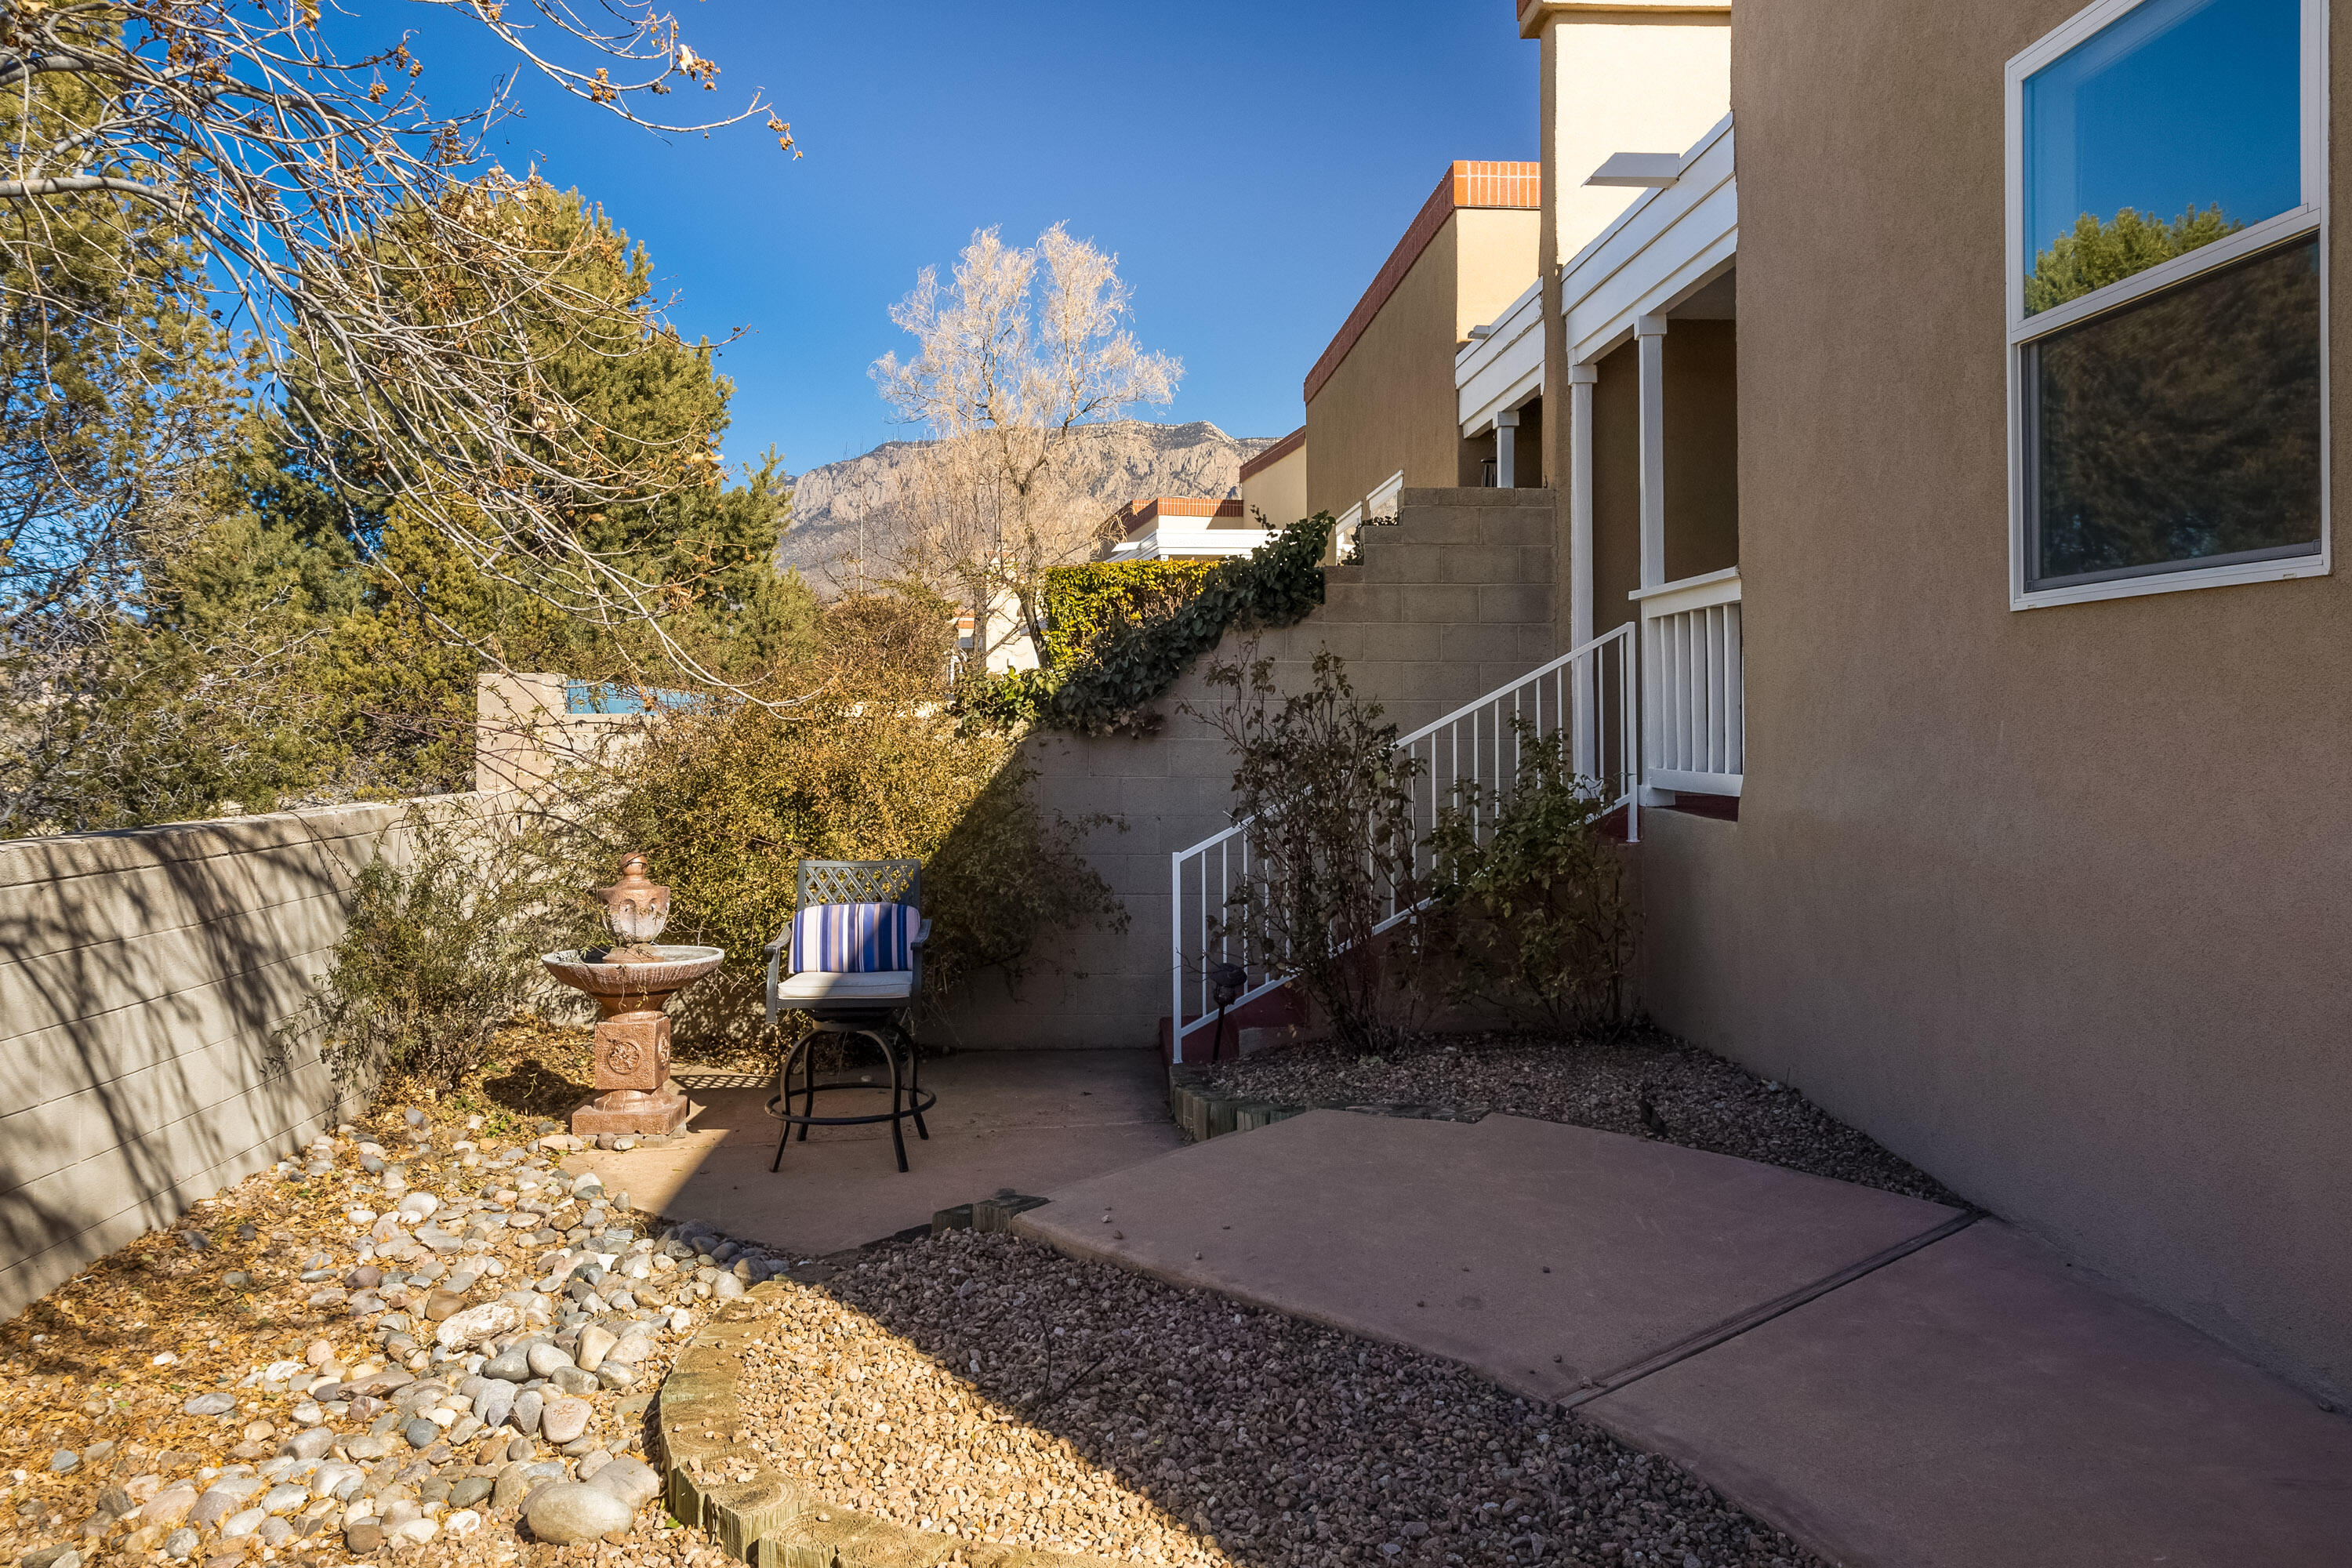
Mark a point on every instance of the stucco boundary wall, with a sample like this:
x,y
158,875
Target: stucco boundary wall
x,y
141,976
1450,602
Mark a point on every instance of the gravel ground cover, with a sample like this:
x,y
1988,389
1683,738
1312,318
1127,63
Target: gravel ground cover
x,y
989,1387
1646,1084
417,1337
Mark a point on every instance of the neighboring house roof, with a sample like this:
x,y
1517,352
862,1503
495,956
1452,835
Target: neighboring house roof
x,y
1468,183
1274,454
1138,516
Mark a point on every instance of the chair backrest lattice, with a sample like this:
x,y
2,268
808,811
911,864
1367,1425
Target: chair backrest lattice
x,y
860,882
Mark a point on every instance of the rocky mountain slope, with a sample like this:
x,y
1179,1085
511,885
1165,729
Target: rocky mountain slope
x,y
1119,461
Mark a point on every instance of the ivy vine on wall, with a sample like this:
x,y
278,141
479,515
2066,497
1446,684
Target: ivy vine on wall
x,y
1132,664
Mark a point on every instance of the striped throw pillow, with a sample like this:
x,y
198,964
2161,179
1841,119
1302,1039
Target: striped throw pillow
x,y
853,939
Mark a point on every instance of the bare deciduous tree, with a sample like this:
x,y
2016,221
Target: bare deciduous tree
x,y
1022,351
364,249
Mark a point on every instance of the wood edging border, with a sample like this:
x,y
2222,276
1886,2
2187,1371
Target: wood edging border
x,y
771,1520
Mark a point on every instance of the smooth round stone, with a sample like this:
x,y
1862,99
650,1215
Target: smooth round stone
x,y
572,1380
181,1543
209,1405
593,1344
565,1513
420,1433
237,1526
631,1480
274,1532
525,1416
510,1365
544,1359
471,1490
564,1419
64,1462
283,1498
443,1305
493,1403
413,1532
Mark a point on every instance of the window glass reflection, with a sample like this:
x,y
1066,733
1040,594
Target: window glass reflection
x,y
2183,429
2172,128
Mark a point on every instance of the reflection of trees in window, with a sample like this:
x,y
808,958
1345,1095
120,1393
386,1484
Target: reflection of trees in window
x,y
2184,426
2097,254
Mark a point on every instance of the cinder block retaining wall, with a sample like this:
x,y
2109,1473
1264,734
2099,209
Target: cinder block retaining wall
x,y
141,976
1452,602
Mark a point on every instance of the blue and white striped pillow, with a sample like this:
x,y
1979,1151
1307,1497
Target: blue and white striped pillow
x,y
853,939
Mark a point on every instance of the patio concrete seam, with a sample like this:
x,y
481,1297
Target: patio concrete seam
x,y
1757,1317
769,1519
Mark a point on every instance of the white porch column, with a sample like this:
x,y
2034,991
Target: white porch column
x,y
1580,381
1507,437
1650,332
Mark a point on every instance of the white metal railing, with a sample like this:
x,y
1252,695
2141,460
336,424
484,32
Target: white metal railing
x,y
1694,697
1592,689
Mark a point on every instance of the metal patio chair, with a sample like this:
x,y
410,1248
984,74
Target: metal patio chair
x,y
852,958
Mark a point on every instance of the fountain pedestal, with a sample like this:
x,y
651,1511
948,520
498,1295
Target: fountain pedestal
x,y
635,1092
631,984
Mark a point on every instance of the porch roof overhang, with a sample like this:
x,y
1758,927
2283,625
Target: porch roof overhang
x,y
1671,243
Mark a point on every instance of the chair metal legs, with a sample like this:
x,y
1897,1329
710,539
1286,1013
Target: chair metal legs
x,y
907,1099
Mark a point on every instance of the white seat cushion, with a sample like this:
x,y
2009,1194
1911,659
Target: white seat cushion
x,y
821,985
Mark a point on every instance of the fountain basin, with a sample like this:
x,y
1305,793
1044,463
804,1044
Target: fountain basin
x,y
680,967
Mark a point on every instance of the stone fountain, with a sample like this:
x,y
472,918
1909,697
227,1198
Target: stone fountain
x,y
632,982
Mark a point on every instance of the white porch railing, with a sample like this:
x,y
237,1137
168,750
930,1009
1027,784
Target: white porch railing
x,y
1591,687
1694,697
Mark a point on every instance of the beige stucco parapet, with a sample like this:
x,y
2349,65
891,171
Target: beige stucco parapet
x,y
1534,14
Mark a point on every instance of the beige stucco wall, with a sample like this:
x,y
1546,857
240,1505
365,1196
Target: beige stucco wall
x,y
1279,490
2056,903
1636,79
1449,603
1391,404
141,977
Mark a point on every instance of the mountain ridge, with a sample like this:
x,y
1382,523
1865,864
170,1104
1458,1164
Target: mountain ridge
x,y
1118,461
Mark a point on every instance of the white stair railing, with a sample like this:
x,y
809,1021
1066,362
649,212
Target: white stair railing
x,y
1591,690
1693,696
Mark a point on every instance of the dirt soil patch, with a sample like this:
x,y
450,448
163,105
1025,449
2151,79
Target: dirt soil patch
x,y
1645,1084
992,1388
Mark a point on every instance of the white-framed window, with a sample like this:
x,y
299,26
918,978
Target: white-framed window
x,y
2167,286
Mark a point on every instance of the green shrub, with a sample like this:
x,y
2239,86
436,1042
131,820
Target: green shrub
x,y
1332,845
1084,604
1133,665
1527,907
441,947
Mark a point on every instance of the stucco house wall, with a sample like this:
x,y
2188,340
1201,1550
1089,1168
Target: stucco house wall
x,y
1381,399
2056,903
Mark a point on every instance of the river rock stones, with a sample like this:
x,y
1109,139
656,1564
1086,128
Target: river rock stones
x,y
565,1513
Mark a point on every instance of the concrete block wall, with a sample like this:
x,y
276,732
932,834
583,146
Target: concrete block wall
x,y
141,975
1450,602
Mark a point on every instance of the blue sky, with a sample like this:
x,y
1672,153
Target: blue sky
x,y
1247,162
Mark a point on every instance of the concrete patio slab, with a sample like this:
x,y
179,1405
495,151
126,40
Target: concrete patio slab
x,y
1545,1255
1031,1120
1978,1402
